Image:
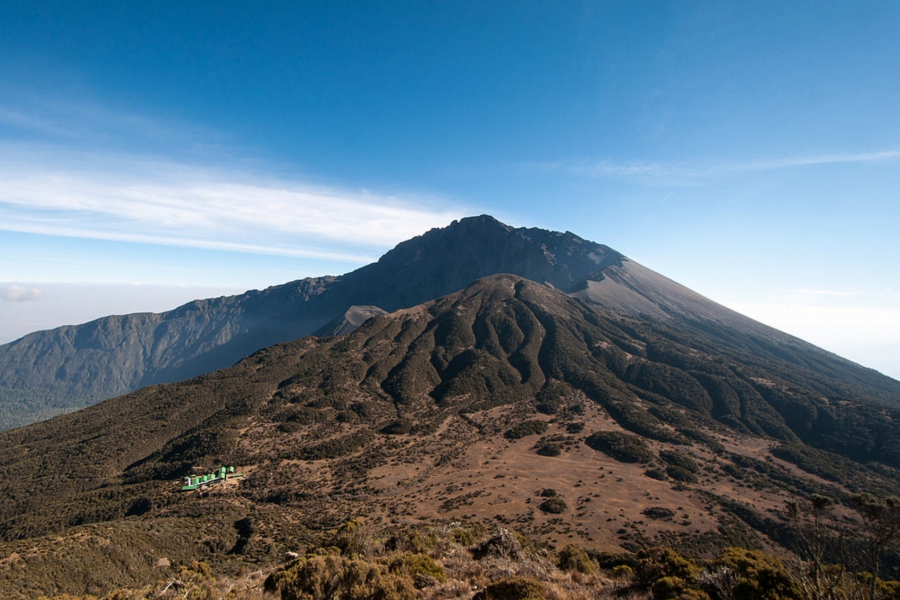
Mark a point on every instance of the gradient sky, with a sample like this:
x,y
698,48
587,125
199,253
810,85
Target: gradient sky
x,y
159,151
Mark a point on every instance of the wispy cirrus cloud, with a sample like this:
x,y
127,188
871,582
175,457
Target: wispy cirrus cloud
x,y
687,171
68,118
81,169
165,203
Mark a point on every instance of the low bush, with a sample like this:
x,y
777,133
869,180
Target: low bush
x,y
677,459
623,447
549,449
416,566
759,575
525,428
513,588
327,577
553,506
681,474
397,427
576,427
659,513
575,558
655,473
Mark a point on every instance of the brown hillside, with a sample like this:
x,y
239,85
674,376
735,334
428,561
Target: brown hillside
x,y
506,403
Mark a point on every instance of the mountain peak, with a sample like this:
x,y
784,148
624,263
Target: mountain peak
x,y
484,220
74,366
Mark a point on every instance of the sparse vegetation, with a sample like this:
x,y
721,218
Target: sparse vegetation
x,y
525,428
623,447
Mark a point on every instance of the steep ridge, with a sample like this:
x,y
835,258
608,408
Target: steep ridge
x,y
378,421
74,366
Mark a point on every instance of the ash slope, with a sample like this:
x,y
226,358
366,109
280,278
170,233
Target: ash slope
x,y
465,407
54,371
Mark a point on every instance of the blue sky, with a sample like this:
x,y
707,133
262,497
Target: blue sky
x,y
154,152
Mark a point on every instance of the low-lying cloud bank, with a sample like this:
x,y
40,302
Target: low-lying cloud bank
x,y
13,292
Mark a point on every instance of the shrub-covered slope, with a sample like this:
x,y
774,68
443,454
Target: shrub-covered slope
x,y
507,402
504,344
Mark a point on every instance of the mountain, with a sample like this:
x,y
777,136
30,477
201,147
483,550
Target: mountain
x,y
51,372
508,403
350,320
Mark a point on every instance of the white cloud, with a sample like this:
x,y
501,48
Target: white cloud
x,y
686,172
74,176
14,292
165,203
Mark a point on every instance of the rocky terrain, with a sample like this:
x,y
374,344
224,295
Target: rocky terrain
x,y
509,404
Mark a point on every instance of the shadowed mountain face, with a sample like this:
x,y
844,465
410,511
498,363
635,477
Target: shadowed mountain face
x,y
54,371
467,407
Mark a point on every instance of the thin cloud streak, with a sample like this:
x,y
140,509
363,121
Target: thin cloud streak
x,y
688,172
86,122
173,205
94,234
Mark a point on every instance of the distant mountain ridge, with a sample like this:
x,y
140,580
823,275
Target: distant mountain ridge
x,y
85,363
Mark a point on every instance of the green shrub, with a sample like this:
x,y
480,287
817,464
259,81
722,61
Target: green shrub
x,y
417,565
703,438
675,588
502,544
622,572
549,449
577,427
575,558
398,427
759,576
623,447
525,428
514,588
549,406
553,506
677,459
659,512
551,398
327,577
462,537
337,447
355,538
654,564
655,473
680,474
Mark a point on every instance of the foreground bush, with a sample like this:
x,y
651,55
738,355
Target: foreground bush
x,y
759,576
575,558
514,588
328,577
